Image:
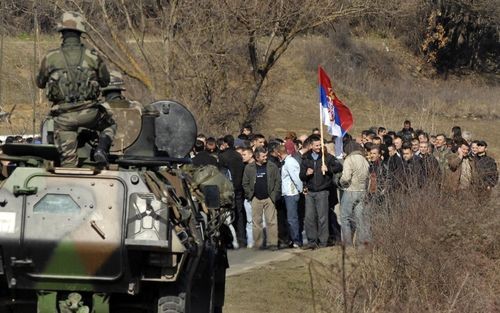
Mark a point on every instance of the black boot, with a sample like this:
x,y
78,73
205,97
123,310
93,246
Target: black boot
x,y
102,151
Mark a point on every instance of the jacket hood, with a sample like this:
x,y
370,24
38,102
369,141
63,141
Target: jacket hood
x,y
352,147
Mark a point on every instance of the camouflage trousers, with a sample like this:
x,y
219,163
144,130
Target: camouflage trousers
x,y
66,130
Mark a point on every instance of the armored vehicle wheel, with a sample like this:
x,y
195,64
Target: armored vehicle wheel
x,y
172,304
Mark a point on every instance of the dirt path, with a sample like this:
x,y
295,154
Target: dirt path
x,y
274,282
246,260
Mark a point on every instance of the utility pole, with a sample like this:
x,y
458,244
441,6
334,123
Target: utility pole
x,y
2,35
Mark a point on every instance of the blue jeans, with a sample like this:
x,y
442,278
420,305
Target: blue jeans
x,y
248,210
292,212
353,218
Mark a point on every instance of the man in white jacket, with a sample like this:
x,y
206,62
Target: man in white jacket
x,y
291,187
354,182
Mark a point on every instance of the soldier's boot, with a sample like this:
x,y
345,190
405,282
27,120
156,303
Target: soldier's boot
x,y
102,151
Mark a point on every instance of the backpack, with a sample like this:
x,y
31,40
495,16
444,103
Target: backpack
x,y
210,175
74,82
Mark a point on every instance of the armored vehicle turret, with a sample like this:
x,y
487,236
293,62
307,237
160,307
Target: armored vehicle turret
x,y
142,235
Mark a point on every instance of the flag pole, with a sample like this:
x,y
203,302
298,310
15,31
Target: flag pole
x,y
321,134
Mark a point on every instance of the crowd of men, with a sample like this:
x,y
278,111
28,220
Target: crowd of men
x,y
22,139
287,188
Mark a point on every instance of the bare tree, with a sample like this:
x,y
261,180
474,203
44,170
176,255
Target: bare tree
x,y
213,55
269,27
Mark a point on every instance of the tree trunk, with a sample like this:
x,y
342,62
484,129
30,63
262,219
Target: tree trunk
x,y
2,35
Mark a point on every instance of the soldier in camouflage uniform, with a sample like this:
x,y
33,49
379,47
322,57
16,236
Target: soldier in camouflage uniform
x,y
113,94
73,76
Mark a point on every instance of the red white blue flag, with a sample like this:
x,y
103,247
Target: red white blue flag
x,y
335,114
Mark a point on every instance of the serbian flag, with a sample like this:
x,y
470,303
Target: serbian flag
x,y
335,114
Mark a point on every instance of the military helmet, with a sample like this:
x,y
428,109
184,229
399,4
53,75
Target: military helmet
x,y
71,21
115,82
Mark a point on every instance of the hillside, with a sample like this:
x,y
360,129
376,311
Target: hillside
x,y
384,91
378,78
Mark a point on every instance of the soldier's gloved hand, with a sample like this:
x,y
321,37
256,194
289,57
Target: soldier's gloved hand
x,y
228,217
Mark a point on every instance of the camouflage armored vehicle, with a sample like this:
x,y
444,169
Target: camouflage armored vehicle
x,y
139,236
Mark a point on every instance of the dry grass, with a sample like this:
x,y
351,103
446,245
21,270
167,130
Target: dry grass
x,y
431,253
279,287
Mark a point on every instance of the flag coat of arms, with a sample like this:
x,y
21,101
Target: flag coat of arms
x,y
335,114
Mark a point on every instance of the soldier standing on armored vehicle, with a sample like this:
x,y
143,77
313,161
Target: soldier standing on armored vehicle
x,y
73,76
112,93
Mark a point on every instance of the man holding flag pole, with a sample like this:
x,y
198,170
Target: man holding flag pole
x,y
318,168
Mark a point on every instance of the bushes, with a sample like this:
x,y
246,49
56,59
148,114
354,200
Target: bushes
x,y
432,252
462,35
451,35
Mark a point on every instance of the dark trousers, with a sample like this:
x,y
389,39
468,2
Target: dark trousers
x,y
240,220
302,212
333,227
316,221
283,235
333,224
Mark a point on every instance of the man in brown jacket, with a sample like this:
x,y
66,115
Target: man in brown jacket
x,y
461,167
